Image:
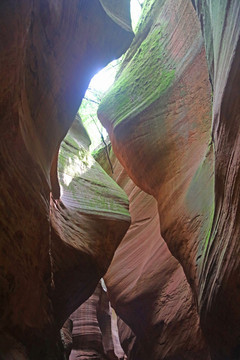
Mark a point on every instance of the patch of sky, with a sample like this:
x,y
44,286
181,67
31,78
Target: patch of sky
x,y
99,85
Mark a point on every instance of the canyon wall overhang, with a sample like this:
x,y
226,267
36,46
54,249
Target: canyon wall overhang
x,y
49,52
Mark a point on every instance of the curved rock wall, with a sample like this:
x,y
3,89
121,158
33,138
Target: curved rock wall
x,y
158,114
162,136
88,222
220,291
147,285
49,52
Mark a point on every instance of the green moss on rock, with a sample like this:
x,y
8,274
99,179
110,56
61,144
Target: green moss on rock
x,y
144,78
86,186
200,199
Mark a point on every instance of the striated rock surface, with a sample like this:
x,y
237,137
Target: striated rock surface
x,y
91,330
49,52
220,290
177,135
92,335
147,285
158,114
127,337
88,222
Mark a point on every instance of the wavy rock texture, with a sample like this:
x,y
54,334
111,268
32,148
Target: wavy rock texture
x,y
49,51
148,287
220,290
158,114
92,336
162,134
88,222
92,330
127,337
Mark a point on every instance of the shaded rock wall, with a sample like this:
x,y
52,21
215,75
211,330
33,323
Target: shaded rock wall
x,y
88,222
49,52
92,335
220,292
158,114
91,331
147,285
127,337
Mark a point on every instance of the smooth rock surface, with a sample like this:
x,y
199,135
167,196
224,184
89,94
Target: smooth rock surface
x,y
88,222
159,114
92,335
220,291
49,52
147,285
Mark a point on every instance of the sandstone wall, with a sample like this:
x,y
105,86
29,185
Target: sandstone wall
x,y
147,285
177,135
49,52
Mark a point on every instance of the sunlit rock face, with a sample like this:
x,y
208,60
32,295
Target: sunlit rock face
x,y
147,285
159,114
162,133
49,52
88,222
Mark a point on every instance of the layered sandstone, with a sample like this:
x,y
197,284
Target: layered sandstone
x,y
159,114
88,222
220,291
177,136
147,285
49,52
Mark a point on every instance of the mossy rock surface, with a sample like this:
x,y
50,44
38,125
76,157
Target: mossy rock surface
x,y
85,185
146,73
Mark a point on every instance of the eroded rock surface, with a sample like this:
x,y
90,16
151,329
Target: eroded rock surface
x,y
92,335
220,291
88,222
147,285
158,114
49,52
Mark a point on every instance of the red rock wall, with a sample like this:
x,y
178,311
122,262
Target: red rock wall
x,y
220,292
163,138
165,144
88,222
91,332
49,52
147,285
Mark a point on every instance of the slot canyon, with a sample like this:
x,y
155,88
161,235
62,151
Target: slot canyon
x,y
131,251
